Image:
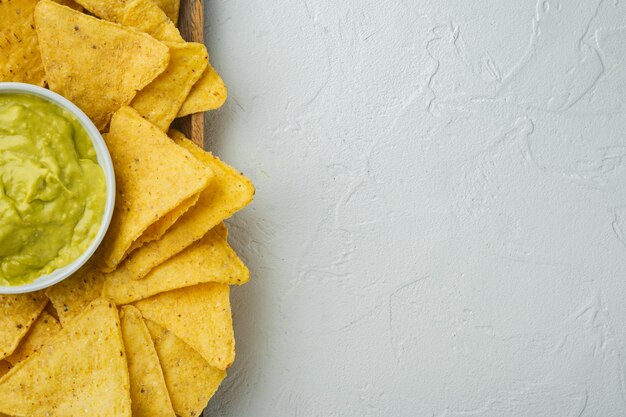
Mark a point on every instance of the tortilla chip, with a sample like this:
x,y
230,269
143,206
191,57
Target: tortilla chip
x,y
17,313
200,316
40,332
143,15
230,191
71,296
154,175
170,8
210,259
98,65
190,380
149,397
209,93
20,60
158,229
160,101
81,372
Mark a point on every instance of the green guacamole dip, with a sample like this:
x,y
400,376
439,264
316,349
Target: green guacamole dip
x,y
52,190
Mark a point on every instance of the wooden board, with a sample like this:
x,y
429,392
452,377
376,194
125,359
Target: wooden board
x,y
191,26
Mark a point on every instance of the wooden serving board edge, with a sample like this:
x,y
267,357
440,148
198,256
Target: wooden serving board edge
x,y
191,26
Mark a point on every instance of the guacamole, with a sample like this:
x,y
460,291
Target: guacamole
x,y
52,190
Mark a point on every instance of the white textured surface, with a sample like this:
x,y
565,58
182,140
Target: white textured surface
x,y
440,221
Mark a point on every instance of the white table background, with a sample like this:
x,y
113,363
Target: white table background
x,y
440,220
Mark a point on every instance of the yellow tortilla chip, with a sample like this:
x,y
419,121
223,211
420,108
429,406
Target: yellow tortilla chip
x,y
228,192
160,100
20,60
40,332
154,175
158,229
71,296
210,259
200,316
209,93
143,15
81,372
170,8
96,64
17,314
149,397
190,380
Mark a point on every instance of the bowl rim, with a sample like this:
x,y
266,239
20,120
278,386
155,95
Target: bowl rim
x,y
104,160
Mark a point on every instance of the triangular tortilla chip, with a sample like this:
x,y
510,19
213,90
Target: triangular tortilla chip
x,y
190,380
229,192
96,64
160,100
81,372
158,229
153,174
170,8
210,259
20,60
209,93
200,316
149,397
17,314
40,332
143,15
71,296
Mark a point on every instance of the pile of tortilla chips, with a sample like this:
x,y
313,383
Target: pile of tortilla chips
x,y
145,327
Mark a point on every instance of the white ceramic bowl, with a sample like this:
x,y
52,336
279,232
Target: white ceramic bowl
x,y
104,159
